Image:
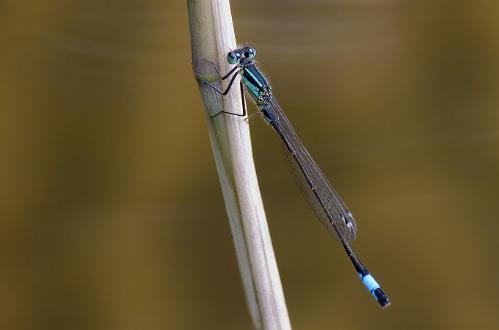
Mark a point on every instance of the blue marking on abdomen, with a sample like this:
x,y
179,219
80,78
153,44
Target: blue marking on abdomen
x,y
370,283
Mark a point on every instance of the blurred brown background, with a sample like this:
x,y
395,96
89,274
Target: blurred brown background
x,y
111,215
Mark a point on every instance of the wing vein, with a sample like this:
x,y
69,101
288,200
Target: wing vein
x,y
317,190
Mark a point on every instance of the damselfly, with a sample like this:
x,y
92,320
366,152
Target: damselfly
x,y
327,204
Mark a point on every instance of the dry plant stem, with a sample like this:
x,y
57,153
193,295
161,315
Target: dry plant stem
x,y
212,36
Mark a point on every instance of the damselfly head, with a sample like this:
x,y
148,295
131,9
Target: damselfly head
x,y
235,56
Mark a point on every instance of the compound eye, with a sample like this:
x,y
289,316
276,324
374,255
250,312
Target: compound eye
x,y
249,52
233,57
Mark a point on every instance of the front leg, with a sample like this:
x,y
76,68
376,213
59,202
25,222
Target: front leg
x,y
218,72
234,76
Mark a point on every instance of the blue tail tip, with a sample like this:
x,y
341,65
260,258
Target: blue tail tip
x,y
373,287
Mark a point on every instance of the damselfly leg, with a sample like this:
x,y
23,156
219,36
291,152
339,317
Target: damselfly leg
x,y
234,72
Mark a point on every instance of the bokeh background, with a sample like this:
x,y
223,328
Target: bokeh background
x,y
111,214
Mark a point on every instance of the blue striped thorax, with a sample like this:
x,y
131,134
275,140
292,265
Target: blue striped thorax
x,y
255,82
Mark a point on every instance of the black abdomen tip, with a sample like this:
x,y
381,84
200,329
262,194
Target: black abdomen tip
x,y
382,298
